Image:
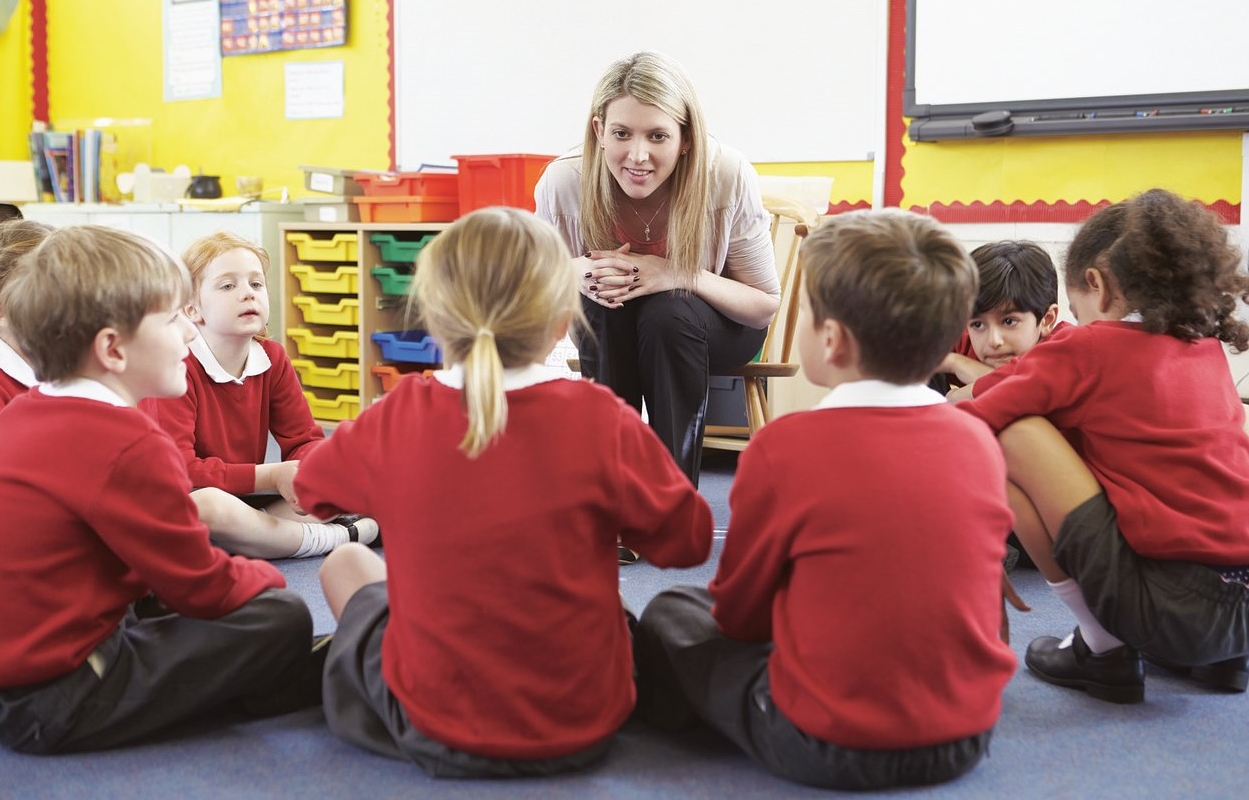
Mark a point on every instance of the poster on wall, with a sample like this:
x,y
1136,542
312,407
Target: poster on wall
x,y
191,59
265,26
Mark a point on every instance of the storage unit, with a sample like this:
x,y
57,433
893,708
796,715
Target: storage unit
x,y
414,208
391,374
333,271
409,197
499,180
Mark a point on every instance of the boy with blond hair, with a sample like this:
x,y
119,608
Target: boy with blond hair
x,y
82,665
803,651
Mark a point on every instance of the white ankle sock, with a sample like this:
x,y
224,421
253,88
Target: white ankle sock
x,y
1095,636
320,538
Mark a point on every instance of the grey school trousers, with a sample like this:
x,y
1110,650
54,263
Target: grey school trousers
x,y
162,670
665,347
687,668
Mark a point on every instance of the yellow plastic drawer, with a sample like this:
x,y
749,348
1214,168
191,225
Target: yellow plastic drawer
x,y
345,376
340,344
344,312
343,280
345,406
340,247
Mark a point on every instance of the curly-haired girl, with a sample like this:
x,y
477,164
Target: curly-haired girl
x,y
1127,454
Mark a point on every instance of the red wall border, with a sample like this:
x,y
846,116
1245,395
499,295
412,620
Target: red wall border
x,y
390,55
39,60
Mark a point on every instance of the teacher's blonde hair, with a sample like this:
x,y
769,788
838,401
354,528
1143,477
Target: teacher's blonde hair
x,y
495,289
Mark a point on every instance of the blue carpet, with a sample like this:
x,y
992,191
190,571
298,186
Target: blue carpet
x,y
1051,742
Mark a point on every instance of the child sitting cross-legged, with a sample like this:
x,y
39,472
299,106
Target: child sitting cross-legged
x,y
242,388
805,651
1126,450
99,313
492,640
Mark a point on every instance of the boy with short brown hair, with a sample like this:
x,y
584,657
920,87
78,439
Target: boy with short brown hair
x,y
99,313
813,659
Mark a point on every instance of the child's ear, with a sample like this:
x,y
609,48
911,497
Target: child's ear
x,y
108,351
1049,320
1099,285
840,347
192,312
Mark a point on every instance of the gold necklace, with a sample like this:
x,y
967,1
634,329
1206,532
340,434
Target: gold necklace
x,y
658,211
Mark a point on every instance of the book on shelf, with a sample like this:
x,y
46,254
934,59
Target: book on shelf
x,y
67,164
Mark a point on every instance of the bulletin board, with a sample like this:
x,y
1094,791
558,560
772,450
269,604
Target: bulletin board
x,y
986,67
797,84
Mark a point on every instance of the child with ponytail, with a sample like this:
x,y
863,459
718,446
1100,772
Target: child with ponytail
x,y
492,640
1127,454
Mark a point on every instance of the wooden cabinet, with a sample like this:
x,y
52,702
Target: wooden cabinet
x,y
340,284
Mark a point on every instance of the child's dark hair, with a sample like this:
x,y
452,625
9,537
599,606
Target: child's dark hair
x,y
1173,262
1015,275
899,282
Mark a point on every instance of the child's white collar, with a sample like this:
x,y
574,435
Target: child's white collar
x,y
83,388
880,394
15,366
513,378
257,361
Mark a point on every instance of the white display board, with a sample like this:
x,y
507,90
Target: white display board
x,y
801,83
993,53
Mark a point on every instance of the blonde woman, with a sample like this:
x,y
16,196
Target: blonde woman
x,y
675,263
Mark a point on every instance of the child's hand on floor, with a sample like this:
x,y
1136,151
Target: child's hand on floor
x,y
1009,593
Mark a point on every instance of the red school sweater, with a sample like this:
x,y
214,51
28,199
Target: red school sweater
x,y
506,635
867,545
1159,423
222,429
98,499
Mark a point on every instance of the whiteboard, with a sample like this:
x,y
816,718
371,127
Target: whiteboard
x,y
781,84
969,54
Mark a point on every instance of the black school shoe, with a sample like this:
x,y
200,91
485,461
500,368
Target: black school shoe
x,y
626,555
1116,676
1230,675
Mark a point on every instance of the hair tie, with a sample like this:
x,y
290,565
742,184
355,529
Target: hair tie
x,y
484,332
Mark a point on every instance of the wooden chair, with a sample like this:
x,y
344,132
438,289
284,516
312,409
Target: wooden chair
x,y
790,224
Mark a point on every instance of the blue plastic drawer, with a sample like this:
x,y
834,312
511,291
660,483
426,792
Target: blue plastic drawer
x,y
414,346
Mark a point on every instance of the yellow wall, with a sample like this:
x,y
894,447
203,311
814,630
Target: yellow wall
x,y
105,60
15,83
852,180
1203,166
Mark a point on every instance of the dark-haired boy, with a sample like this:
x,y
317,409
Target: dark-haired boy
x,y
811,659
1016,308
99,313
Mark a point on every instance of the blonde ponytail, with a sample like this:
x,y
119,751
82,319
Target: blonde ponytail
x,y
484,398
495,289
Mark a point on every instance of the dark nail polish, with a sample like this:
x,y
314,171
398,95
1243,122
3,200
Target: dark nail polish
x,y
588,274
637,278
635,269
586,254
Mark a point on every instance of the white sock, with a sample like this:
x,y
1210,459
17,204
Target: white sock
x,y
1095,636
320,538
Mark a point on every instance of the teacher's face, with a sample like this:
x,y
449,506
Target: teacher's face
x,y
641,145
